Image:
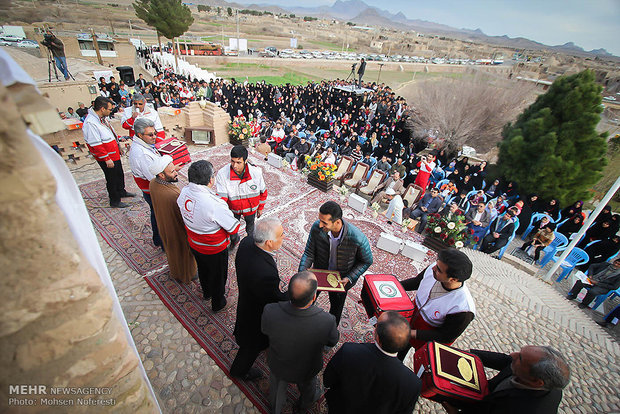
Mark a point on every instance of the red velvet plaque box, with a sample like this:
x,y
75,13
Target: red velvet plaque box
x,y
449,372
328,280
176,149
381,293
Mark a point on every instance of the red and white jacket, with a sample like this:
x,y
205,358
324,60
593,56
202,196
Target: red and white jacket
x,y
245,195
141,156
100,138
150,113
434,311
277,135
207,219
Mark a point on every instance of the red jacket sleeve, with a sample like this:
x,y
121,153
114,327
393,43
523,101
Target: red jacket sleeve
x,y
128,124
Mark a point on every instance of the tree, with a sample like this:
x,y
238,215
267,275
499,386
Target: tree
x,y
229,11
170,18
468,111
202,8
553,148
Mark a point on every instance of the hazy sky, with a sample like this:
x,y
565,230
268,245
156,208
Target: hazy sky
x,y
591,24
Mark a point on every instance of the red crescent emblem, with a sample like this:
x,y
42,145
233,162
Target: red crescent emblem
x,y
188,201
436,314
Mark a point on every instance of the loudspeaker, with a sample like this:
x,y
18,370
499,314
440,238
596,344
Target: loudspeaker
x,y
126,75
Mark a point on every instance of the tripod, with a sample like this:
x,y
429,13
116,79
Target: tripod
x,y
52,63
352,76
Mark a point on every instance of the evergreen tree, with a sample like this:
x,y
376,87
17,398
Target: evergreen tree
x,y
553,148
170,18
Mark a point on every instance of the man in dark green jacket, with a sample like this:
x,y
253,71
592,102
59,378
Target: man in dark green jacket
x,y
334,244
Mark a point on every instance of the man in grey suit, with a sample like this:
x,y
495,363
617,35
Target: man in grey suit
x,y
478,220
394,182
430,203
297,330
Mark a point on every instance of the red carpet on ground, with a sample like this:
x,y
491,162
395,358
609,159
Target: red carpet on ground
x,y
296,204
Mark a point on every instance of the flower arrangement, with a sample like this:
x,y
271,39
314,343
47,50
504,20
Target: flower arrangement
x,y
375,206
405,224
321,170
343,191
452,232
238,130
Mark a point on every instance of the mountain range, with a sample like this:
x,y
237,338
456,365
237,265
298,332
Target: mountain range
x,y
356,11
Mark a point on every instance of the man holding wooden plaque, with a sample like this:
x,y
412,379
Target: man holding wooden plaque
x,y
339,254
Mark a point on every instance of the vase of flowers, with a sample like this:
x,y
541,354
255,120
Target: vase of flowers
x,y
343,192
405,224
239,131
375,209
321,174
444,232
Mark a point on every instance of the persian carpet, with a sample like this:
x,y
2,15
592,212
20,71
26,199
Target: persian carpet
x,y
296,204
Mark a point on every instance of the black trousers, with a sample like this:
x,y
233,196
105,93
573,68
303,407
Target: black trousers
x,y
114,181
246,355
213,272
490,244
336,303
593,291
156,238
249,224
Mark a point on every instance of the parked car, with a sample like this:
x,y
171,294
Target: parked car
x,y
5,43
31,44
11,38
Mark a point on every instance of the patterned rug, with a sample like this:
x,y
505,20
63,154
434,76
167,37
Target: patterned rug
x,y
296,204
128,231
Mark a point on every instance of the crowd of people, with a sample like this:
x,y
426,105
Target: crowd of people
x,y
197,227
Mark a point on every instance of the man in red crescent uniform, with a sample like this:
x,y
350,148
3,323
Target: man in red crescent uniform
x,y
141,155
209,224
426,166
243,188
142,109
101,140
443,306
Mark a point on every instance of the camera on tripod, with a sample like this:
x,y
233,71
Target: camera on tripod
x,y
47,40
353,66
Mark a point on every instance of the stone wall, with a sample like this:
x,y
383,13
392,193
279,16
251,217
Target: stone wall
x,y
58,327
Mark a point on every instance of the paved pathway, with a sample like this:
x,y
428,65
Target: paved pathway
x,y
513,309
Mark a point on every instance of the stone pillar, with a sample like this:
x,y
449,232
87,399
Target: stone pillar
x,y
58,328
217,119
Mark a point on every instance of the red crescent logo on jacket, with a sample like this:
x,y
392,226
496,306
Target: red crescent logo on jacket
x,y
189,205
436,314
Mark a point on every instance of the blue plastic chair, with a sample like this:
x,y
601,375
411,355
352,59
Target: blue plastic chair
x,y
535,218
436,175
576,257
557,245
598,301
441,182
514,232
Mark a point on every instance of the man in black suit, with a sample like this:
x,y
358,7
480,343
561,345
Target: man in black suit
x,y
297,330
369,378
529,381
500,231
259,284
